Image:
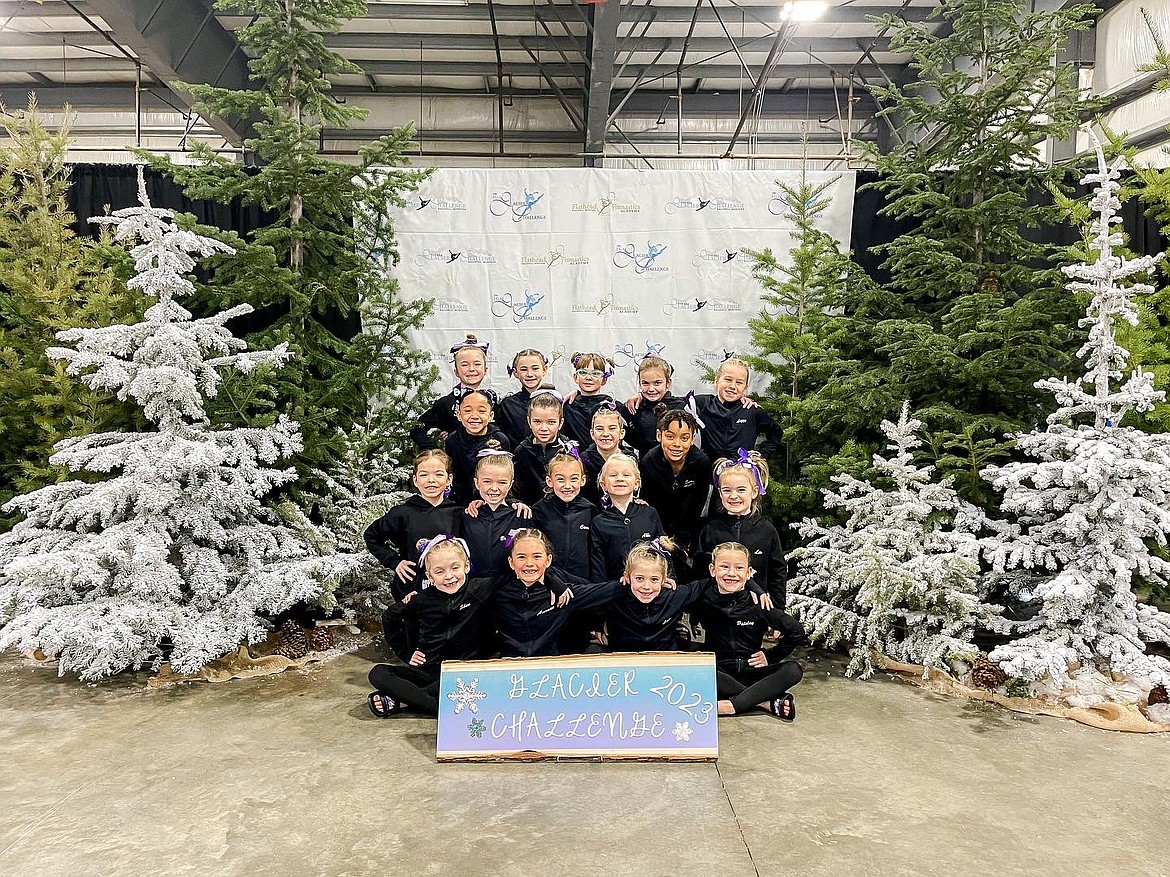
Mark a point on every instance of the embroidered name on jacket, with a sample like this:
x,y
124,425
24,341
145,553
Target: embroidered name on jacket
x,y
744,623
741,420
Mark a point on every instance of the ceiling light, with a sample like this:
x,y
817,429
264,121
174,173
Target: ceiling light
x,y
803,10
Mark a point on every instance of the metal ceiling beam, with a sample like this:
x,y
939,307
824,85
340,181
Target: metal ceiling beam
x,y
817,103
111,98
517,12
22,8
602,57
707,71
349,44
488,135
181,40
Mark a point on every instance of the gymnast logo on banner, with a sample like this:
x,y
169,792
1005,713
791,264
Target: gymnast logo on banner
x,y
603,306
605,205
698,203
554,258
643,262
716,258
520,308
780,204
436,202
695,305
629,354
709,356
685,305
518,206
467,256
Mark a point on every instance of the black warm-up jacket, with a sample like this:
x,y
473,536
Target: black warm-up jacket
x,y
567,527
760,538
679,498
614,533
394,537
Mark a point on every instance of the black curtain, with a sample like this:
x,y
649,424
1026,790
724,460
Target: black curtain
x,y
99,189
870,229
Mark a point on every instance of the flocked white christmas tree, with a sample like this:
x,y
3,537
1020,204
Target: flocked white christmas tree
x,y
173,545
900,576
1096,498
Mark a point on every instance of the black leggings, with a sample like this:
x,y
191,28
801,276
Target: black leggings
x,y
756,685
410,685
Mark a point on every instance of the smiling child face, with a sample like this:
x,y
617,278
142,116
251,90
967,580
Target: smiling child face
x,y
493,483
447,568
470,367
607,431
676,439
731,569
431,478
589,380
529,560
475,413
737,491
653,384
645,580
731,383
565,480
620,479
529,371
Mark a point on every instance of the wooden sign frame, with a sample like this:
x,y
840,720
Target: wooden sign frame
x,y
646,706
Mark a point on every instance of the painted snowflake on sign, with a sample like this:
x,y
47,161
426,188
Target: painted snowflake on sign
x,y
476,728
682,731
466,695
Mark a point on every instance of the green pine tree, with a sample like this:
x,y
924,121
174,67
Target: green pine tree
x,y
808,299
50,280
978,312
1149,341
322,262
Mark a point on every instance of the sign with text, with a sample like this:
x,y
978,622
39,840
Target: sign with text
x,y
648,705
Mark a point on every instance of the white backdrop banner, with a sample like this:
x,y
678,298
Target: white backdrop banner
x,y
621,262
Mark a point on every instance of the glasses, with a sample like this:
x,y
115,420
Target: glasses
x,y
590,373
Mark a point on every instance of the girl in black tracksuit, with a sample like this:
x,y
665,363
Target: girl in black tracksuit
x,y
727,424
741,483
545,418
590,372
643,614
450,616
607,432
394,540
522,613
655,376
676,478
746,676
564,516
622,521
529,367
476,433
469,358
486,525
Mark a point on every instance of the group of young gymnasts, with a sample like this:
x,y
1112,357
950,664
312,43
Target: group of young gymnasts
x,y
546,525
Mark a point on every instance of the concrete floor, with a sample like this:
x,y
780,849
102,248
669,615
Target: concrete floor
x,y
289,775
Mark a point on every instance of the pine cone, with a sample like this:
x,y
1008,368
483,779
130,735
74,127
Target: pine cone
x,y
987,674
1158,695
320,639
291,641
